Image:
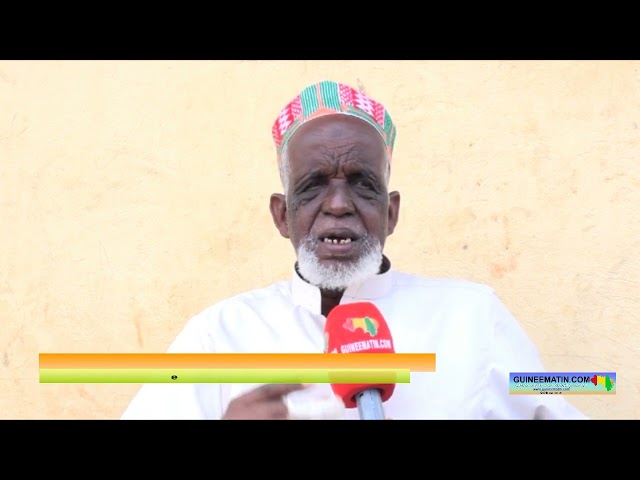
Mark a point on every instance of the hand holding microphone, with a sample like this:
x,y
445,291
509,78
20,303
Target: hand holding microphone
x,y
314,403
261,403
360,328
350,328
285,402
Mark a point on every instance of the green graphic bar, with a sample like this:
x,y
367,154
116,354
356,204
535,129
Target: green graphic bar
x,y
202,375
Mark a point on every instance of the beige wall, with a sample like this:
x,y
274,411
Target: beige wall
x,y
135,194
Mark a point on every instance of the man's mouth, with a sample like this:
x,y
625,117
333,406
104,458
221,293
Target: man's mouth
x,y
337,242
338,236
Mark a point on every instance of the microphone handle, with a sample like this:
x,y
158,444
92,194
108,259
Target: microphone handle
x,y
370,405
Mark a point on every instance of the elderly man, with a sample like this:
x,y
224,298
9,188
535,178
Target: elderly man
x,y
334,147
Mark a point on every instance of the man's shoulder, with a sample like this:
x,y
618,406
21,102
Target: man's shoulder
x,y
274,292
236,314
441,284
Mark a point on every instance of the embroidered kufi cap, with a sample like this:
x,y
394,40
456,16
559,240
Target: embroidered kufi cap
x,y
331,98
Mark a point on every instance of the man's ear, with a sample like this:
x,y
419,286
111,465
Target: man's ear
x,y
278,207
394,211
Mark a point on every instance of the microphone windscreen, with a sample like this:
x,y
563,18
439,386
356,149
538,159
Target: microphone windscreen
x,y
358,328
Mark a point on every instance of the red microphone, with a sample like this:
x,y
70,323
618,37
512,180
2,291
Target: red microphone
x,y
360,328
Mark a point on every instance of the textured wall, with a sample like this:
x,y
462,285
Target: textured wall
x,y
135,194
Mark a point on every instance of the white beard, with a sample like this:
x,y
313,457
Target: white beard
x,y
338,276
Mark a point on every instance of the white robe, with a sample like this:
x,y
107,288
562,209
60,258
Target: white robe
x,y
476,340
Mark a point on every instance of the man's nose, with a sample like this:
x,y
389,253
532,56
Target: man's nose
x,y
338,199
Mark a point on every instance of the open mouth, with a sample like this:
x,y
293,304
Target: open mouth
x,y
338,236
338,241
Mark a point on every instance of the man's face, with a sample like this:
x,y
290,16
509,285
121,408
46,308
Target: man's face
x,y
337,212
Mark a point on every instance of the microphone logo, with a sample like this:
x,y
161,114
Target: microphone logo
x,y
366,324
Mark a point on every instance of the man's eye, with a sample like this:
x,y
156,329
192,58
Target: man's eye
x,y
311,186
363,184
310,189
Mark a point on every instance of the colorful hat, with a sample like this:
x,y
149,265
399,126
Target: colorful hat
x,y
330,98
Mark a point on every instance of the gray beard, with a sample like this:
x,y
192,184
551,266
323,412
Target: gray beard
x,y
338,276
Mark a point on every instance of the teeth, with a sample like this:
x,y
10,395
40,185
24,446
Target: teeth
x,y
335,241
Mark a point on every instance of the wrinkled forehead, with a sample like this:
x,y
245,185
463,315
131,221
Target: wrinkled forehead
x,y
337,133
334,145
